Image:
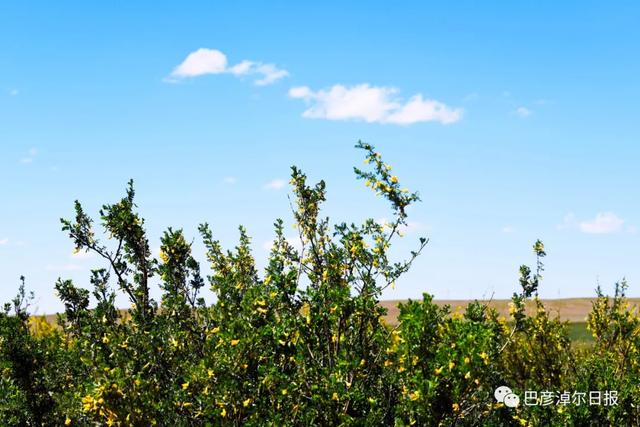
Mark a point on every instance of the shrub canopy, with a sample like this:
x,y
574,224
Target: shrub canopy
x,y
301,343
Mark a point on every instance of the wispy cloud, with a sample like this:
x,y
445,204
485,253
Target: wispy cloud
x,y
410,227
211,61
230,180
473,96
13,92
372,104
31,155
603,223
270,74
522,112
275,184
569,221
4,241
508,229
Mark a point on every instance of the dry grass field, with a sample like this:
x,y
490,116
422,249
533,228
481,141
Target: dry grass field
x,y
574,310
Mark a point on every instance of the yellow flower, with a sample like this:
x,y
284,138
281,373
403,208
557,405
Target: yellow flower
x,y
246,403
284,392
185,386
438,371
67,421
234,343
215,330
455,407
334,396
415,395
87,403
394,179
451,365
466,360
223,412
467,375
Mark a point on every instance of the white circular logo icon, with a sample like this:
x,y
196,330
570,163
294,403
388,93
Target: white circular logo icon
x,y
511,400
501,392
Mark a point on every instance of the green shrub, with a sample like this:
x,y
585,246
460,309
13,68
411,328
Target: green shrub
x,y
302,343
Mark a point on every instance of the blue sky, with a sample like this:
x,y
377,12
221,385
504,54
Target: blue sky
x,y
513,121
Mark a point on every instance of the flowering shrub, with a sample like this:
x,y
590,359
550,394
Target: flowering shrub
x,y
302,343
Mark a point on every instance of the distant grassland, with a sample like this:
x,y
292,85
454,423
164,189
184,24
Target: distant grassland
x,y
574,310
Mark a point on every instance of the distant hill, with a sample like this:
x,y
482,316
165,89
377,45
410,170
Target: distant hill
x,y
574,310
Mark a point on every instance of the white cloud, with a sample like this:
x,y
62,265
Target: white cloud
x,y
201,62
230,180
4,241
603,223
275,184
270,74
211,61
14,92
508,229
522,112
410,227
413,227
372,104
241,68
